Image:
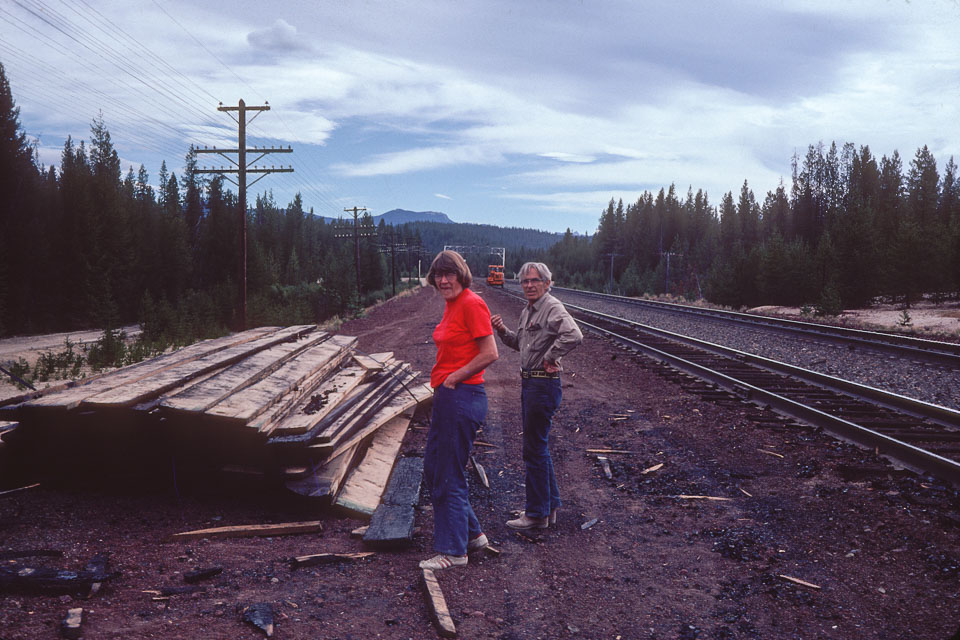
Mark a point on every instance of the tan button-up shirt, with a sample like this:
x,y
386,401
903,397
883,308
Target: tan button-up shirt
x,y
546,332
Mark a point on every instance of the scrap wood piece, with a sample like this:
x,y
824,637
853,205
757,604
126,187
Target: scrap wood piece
x,y
607,451
391,527
655,467
70,626
135,383
605,463
236,377
437,605
97,564
716,498
405,481
359,532
280,390
17,578
327,558
481,472
362,489
481,443
373,361
260,615
190,577
770,453
402,402
247,530
19,489
324,478
589,523
798,581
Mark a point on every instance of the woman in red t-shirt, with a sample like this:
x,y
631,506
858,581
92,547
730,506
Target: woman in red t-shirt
x,y
465,346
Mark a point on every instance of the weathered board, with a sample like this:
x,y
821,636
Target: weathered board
x,y
237,377
323,480
362,489
401,402
379,389
438,605
309,412
256,399
123,378
374,361
250,530
392,524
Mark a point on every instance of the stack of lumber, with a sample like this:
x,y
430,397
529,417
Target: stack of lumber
x,y
295,402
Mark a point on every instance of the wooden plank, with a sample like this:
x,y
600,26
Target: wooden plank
x,y
373,361
362,489
249,530
345,424
170,378
405,481
328,558
438,605
71,398
236,377
481,472
323,480
310,411
285,382
391,527
402,402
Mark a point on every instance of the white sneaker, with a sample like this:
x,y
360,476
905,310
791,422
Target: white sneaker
x,y
477,543
443,561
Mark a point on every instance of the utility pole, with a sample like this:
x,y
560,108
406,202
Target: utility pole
x,y
357,231
611,256
241,168
666,288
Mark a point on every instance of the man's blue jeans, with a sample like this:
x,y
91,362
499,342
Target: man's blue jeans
x,y
540,398
457,415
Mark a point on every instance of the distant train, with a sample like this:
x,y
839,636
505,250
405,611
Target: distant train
x,y
495,275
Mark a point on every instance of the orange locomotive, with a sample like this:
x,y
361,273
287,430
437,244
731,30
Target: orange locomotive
x,y
495,275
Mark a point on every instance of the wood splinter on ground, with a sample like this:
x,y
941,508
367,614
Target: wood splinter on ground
x,y
327,558
605,463
70,627
246,530
481,473
718,499
798,581
260,615
652,469
438,605
607,451
770,453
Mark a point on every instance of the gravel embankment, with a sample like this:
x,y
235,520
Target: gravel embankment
x,y
931,383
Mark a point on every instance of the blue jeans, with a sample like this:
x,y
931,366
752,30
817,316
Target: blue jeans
x,y
457,414
539,398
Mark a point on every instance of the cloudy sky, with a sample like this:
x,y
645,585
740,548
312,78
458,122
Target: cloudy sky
x,y
528,113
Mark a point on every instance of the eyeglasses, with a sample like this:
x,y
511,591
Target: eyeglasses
x,y
445,275
527,281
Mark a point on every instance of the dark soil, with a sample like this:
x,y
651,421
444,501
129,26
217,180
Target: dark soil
x,y
882,546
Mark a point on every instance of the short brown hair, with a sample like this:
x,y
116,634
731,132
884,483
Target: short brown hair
x,y
450,262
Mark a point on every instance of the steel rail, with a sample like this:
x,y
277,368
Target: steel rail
x,y
943,352
907,455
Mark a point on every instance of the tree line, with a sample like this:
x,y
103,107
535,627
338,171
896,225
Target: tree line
x,y
851,228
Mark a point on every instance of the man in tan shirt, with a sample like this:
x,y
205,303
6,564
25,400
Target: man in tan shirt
x,y
546,333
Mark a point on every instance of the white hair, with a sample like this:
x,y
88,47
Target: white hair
x,y
539,267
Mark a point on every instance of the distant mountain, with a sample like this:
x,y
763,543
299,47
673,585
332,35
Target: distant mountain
x,y
402,216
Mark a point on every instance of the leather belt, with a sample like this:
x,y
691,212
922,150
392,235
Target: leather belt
x,y
538,373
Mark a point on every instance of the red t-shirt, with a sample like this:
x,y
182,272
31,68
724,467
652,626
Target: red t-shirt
x,y
465,318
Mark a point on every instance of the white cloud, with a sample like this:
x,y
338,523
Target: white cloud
x,y
440,195
281,36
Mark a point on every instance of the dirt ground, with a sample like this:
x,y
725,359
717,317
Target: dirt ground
x,y
925,318
879,550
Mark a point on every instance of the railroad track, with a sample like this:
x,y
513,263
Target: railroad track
x,y
918,435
